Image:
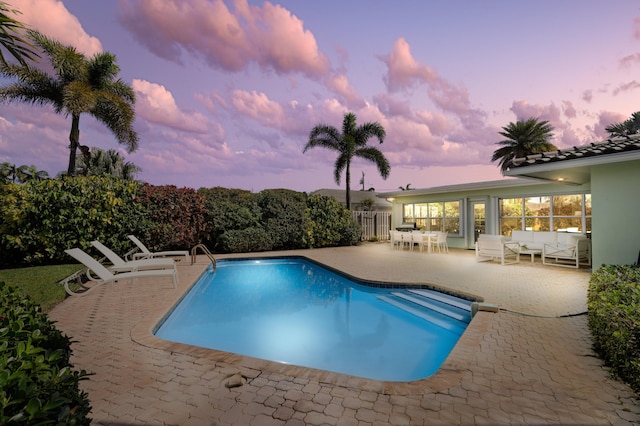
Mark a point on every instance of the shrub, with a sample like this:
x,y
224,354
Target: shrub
x,y
330,223
39,220
245,240
37,384
226,210
177,217
283,217
614,319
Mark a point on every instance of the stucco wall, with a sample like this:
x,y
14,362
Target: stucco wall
x,y
615,195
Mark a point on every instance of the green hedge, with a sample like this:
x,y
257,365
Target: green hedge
x,y
37,383
330,223
39,220
614,319
176,217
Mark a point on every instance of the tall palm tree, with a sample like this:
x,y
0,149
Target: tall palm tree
x,y
10,38
627,127
352,142
524,137
99,162
80,86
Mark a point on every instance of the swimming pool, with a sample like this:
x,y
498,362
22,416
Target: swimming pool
x,y
295,311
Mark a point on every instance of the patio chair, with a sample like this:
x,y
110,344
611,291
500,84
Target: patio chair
x,y
120,265
396,239
440,241
106,276
489,247
147,254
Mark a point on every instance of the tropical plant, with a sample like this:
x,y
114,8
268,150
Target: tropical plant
x,y
8,173
10,38
98,162
352,142
39,220
80,86
627,127
524,137
13,174
31,173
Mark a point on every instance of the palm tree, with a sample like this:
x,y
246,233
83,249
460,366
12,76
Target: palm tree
x,y
627,127
352,142
10,38
14,174
8,172
524,137
99,162
80,86
31,173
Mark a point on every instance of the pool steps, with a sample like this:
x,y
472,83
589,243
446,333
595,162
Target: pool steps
x,y
423,302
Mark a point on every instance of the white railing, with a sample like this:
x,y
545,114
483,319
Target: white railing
x,y
374,224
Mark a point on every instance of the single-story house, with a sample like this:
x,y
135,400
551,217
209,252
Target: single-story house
x,y
592,189
357,197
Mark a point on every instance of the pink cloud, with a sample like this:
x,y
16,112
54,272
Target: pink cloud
x,y
630,60
587,96
392,106
636,28
280,41
52,18
206,28
339,84
551,113
403,70
157,105
258,107
605,119
568,109
626,87
231,40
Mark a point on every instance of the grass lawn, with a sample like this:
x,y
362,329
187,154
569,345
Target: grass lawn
x,y
40,282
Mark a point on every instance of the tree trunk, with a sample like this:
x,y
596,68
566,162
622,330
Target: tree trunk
x,y
348,194
74,141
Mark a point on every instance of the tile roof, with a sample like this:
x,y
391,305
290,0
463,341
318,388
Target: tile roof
x,y
609,146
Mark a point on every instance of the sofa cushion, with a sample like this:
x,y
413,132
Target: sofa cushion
x,y
521,236
569,239
545,237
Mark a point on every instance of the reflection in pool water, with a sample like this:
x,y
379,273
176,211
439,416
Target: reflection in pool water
x,y
294,311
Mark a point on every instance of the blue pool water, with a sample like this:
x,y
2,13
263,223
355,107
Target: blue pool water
x,y
294,311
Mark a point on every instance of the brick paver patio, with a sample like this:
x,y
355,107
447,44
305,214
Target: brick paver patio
x,y
531,363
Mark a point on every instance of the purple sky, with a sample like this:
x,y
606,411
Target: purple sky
x,y
227,91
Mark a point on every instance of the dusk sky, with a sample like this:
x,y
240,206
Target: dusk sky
x,y
227,91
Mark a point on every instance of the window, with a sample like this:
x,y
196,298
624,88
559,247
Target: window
x,y
565,213
438,216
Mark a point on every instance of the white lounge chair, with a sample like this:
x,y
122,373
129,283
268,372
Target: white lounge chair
x,y
120,265
147,254
106,276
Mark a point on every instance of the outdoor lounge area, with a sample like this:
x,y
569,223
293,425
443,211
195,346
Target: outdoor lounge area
x,y
530,363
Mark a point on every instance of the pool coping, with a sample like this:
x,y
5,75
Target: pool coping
x,y
449,373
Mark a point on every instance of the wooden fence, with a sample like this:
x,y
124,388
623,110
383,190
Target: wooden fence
x,y
374,224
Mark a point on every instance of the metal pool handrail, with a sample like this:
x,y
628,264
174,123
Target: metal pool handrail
x,y
206,251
